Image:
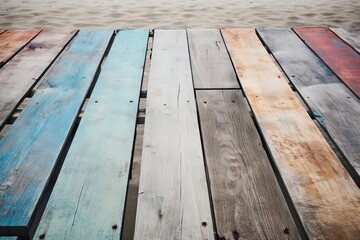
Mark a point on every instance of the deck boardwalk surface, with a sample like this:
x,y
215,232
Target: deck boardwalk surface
x,y
309,168
173,200
96,170
229,149
29,151
335,106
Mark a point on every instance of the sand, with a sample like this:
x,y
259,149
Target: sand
x,y
177,13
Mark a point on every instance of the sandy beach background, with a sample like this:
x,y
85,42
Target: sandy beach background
x,y
177,13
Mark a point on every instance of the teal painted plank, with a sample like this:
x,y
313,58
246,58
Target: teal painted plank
x,y
29,151
89,196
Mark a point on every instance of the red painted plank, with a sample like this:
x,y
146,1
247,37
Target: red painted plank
x,y
12,41
335,53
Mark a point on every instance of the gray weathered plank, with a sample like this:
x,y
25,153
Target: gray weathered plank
x,y
210,61
323,193
326,95
173,200
350,35
247,199
89,196
24,70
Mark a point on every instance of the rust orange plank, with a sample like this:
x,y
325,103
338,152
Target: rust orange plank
x,y
322,192
11,41
336,54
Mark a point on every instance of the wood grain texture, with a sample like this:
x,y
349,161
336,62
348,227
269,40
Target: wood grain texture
x,y
350,35
335,53
12,41
29,151
23,71
210,61
247,199
323,193
173,201
95,173
338,107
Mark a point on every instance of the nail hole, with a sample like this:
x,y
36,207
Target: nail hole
x,y
131,101
286,231
204,224
292,75
96,101
233,101
114,227
205,102
164,104
42,236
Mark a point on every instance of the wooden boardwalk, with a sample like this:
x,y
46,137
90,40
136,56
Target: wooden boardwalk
x,y
248,133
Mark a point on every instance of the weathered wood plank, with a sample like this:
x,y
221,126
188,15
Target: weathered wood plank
x,y
105,135
173,200
350,35
23,71
337,106
323,193
12,41
29,151
210,62
247,199
336,54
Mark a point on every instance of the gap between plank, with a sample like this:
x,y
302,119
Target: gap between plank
x,y
128,225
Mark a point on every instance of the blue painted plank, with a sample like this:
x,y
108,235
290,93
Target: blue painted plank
x,y
29,151
89,196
